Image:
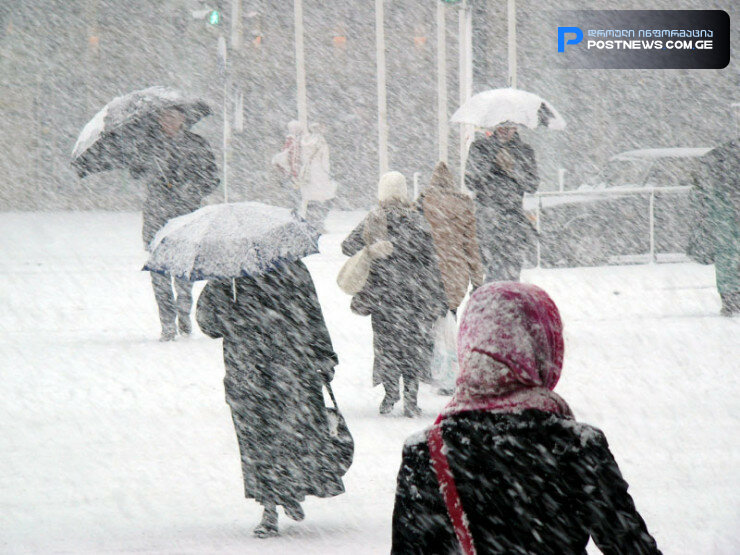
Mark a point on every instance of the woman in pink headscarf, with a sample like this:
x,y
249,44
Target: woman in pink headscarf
x,y
506,468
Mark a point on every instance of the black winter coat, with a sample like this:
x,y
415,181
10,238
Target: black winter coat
x,y
501,223
180,173
276,345
530,482
404,295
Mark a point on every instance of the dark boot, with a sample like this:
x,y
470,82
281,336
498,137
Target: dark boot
x,y
294,511
268,528
391,396
410,393
730,304
168,332
184,325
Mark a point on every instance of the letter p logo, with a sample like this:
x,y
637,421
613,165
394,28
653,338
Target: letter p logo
x,y
562,31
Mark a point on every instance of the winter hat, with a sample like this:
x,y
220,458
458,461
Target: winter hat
x,y
442,178
510,347
392,187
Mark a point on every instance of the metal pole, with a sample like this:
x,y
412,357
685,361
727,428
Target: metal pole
x,y
382,102
300,64
223,56
465,26
539,229
652,226
511,12
442,126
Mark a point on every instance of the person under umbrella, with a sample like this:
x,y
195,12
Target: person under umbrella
x,y
500,169
180,171
506,468
277,351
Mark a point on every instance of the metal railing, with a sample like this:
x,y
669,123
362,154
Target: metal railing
x,y
606,193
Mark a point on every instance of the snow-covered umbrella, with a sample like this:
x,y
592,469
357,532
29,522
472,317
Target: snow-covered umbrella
x,y
493,107
230,241
109,140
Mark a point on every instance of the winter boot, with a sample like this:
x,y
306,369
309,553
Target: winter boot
x,y
386,405
168,332
294,510
730,304
184,325
410,393
268,528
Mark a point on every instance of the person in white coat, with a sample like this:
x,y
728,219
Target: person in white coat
x,y
316,185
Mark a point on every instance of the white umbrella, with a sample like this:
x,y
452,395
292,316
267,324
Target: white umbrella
x,y
230,241
493,107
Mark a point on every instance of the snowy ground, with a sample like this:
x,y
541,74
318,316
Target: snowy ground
x,y
113,442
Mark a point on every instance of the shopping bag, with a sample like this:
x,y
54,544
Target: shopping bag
x,y
353,275
444,360
342,445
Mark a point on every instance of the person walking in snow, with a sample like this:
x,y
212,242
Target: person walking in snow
x,y
506,468
451,216
403,295
717,193
316,185
500,169
277,352
180,169
305,160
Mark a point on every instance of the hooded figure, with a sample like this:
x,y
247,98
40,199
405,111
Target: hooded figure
x,y
451,216
404,294
277,350
500,169
506,468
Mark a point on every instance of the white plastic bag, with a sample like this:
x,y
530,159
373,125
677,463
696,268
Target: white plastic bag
x,y
444,362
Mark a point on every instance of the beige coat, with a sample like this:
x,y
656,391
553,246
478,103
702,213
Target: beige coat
x,y
451,216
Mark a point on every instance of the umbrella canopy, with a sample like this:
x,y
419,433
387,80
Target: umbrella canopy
x,y
109,140
230,240
496,106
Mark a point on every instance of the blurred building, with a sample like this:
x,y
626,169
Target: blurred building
x,y
62,61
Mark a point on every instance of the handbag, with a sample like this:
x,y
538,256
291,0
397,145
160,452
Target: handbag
x,y
354,274
342,446
355,271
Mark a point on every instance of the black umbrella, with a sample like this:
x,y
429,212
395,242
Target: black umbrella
x,y
109,140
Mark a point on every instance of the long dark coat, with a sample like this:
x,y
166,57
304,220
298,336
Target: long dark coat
x,y
180,172
504,233
722,190
275,344
531,482
404,294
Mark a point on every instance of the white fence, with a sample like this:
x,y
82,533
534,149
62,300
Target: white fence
x,y
591,194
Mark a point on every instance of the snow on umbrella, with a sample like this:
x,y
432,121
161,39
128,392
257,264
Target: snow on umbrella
x,y
493,107
230,241
108,141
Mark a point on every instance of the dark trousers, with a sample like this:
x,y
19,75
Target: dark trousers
x,y
392,388
171,305
316,214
